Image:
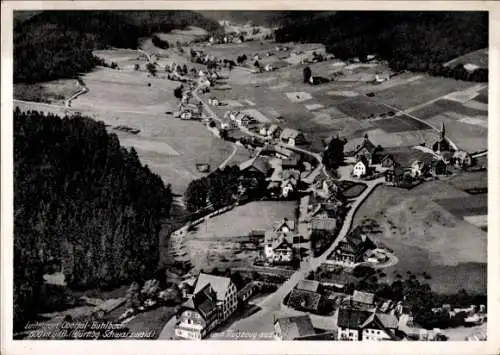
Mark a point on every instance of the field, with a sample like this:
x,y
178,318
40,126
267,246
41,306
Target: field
x,y
170,147
475,205
420,91
223,241
426,237
51,92
479,58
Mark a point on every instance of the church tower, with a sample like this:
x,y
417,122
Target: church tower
x,y
443,132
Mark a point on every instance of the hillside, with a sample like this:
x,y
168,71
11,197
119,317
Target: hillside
x,y
57,44
83,205
407,40
264,18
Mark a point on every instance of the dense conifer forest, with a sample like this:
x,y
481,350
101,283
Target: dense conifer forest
x,y
83,205
415,41
58,44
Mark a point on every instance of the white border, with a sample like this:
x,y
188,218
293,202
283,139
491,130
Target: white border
x,y
123,347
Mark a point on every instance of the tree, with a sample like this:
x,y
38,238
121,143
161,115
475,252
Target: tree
x,y
133,296
136,67
178,92
150,289
307,73
256,64
151,68
333,156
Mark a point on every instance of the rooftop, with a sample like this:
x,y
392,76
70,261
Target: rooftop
x,y
308,285
295,327
363,297
289,133
219,284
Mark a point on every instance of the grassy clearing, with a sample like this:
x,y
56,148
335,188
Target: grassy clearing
x,y
425,237
469,180
50,92
352,189
442,106
401,123
466,206
420,91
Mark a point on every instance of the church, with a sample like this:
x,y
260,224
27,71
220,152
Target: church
x,y
442,145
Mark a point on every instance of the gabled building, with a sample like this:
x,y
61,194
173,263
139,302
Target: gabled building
x,y
368,150
351,250
285,225
198,315
358,325
365,299
361,168
442,145
278,247
214,300
293,328
307,296
292,137
257,167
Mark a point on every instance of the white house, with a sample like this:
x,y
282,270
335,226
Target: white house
x,y
359,325
361,167
380,78
417,168
213,101
278,247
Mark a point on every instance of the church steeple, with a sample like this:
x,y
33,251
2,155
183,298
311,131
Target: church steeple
x,y
443,132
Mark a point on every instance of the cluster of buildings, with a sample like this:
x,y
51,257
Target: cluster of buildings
x,y
352,249
414,164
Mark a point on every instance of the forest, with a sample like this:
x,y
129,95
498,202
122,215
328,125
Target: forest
x,y
59,44
415,41
83,205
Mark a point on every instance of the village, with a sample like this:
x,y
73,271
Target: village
x,y
312,272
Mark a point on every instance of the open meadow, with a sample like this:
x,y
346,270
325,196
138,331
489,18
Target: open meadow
x,y
223,240
426,237
169,146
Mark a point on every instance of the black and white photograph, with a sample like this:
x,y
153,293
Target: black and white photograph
x,y
268,175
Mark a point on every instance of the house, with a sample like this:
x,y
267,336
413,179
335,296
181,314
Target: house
x,y
225,292
351,250
278,247
257,167
269,131
361,168
306,296
394,176
293,328
289,181
388,161
213,101
381,77
198,315
277,151
462,159
292,137
285,225
362,298
418,168
438,167
358,325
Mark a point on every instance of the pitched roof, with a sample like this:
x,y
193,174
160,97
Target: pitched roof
x,y
295,327
271,236
363,297
259,163
389,321
363,160
346,247
308,285
219,284
280,243
302,299
289,133
285,221
323,223
351,318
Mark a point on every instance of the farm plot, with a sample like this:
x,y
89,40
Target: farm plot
x,y
420,91
182,35
474,205
426,237
482,97
442,106
362,108
467,181
399,123
399,139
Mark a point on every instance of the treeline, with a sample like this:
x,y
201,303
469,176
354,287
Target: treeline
x,y
83,205
416,41
59,44
217,190
158,42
